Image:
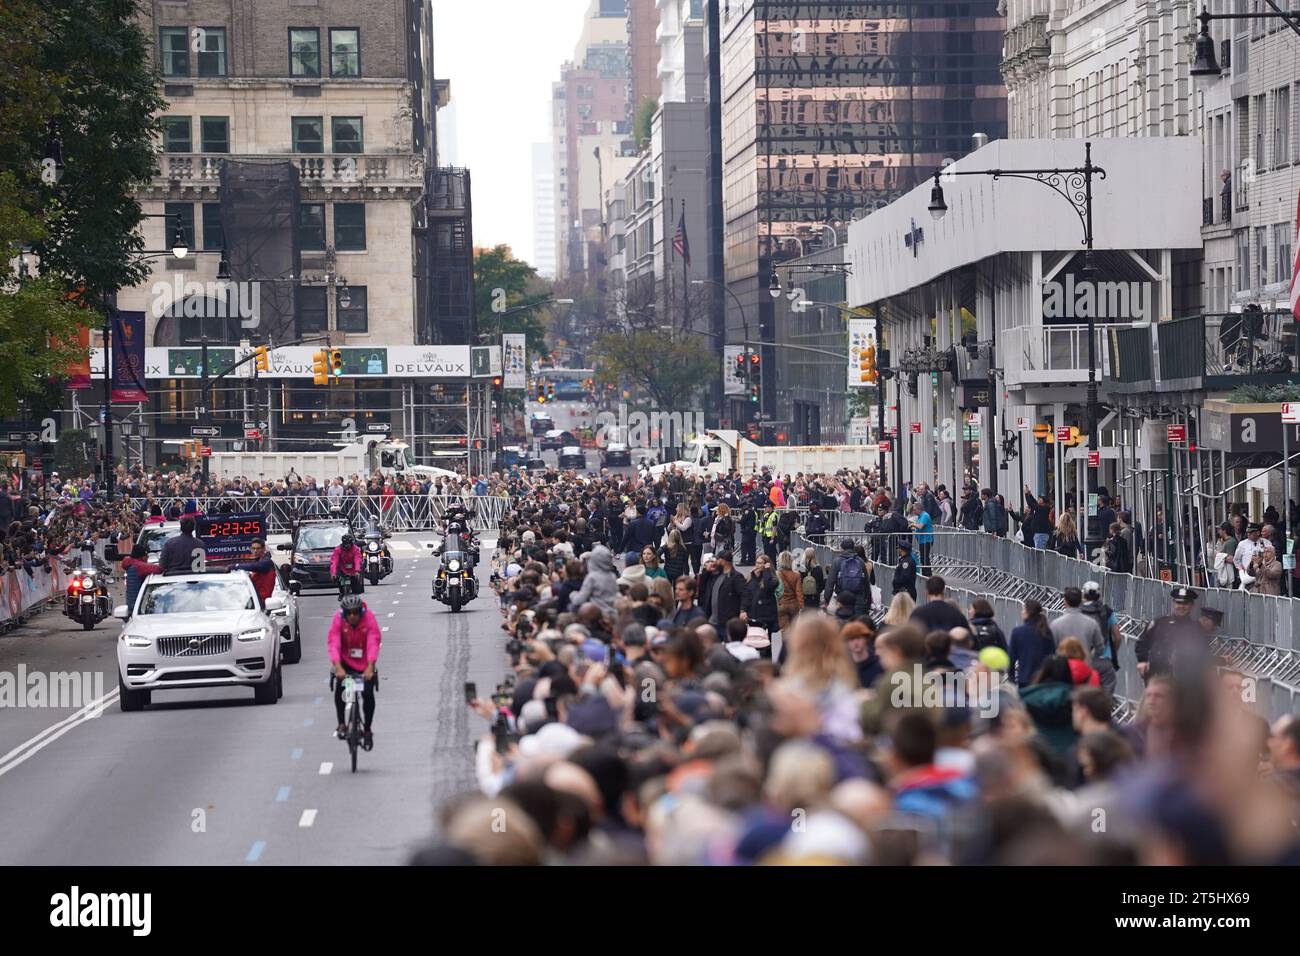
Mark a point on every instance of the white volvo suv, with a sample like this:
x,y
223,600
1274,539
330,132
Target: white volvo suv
x,y
199,630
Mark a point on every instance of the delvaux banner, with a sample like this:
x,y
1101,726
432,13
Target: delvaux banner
x,y
128,358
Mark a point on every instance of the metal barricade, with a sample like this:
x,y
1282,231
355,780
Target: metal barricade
x,y
403,512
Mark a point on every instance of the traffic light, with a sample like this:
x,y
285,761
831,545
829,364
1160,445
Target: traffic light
x,y
550,391
496,381
755,362
541,394
753,393
867,364
742,367
262,358
320,368
336,362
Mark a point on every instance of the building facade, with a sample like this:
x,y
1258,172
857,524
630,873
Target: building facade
x,y
543,211
831,109
299,146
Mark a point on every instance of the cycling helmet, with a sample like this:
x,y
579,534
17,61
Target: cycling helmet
x,y
346,541
351,602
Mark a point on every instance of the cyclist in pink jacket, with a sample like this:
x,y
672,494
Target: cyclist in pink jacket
x,y
354,651
345,564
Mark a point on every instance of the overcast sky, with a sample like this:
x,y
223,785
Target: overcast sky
x,y
501,57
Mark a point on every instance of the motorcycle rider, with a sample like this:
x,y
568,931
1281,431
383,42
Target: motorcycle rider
x,y
345,562
354,641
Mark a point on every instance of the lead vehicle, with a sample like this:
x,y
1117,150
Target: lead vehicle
x,y
199,630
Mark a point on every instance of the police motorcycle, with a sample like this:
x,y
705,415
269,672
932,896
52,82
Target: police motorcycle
x,y
86,600
454,583
458,522
376,559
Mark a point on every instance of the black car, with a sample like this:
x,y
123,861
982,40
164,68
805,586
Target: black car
x,y
573,457
557,439
535,465
312,548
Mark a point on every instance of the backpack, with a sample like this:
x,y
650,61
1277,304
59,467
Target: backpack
x,y
724,528
853,574
809,584
1101,613
986,635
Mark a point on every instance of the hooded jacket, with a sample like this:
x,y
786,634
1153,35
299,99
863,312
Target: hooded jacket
x,y
355,647
600,584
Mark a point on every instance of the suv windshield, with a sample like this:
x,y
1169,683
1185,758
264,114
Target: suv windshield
x,y
312,539
154,538
193,597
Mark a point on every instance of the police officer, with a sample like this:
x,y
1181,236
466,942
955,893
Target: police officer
x,y
1175,640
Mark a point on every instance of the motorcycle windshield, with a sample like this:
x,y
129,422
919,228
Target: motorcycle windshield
x,y
451,547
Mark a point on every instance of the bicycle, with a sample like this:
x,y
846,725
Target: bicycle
x,y
353,691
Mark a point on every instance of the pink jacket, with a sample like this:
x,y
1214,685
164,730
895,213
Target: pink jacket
x,y
353,564
777,495
355,647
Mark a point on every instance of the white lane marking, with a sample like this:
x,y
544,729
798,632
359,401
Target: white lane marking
x,y
52,733
325,768
307,819
391,613
384,628
397,602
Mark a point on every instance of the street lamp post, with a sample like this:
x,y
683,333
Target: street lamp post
x,y
744,322
1074,184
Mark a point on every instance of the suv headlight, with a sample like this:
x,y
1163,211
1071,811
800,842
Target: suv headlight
x,y
257,634
135,640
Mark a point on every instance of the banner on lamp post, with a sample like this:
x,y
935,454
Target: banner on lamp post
x,y
128,358
514,361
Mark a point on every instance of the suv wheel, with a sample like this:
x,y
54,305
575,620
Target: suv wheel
x,y
268,692
130,700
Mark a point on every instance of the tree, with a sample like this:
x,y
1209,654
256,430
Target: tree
x,y
80,68
502,284
107,119
669,369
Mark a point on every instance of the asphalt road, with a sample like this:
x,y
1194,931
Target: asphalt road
x,y
208,777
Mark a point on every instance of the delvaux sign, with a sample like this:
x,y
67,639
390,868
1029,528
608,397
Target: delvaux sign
x,y
359,361
1244,429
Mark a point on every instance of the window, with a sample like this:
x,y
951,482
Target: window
x,y
214,235
307,134
354,318
1282,256
304,51
174,51
1281,126
311,227
176,134
1243,261
350,226
1261,253
346,134
184,213
214,134
345,52
211,43
1260,161
312,315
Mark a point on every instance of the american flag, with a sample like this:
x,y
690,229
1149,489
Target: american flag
x,y
683,248
1295,266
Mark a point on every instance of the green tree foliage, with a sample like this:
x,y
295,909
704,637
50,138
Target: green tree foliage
x,y
503,283
670,371
81,67
645,114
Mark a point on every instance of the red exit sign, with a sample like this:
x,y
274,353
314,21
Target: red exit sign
x,y
884,444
